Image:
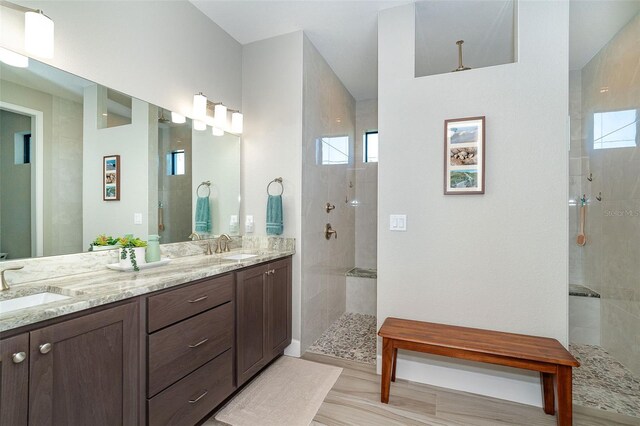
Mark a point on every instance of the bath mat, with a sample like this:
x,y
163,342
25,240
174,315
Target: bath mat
x,y
288,393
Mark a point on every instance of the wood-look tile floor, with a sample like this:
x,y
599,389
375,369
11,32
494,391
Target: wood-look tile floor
x,y
355,400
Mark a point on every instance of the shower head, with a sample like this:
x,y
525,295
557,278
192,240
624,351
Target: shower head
x,y
162,118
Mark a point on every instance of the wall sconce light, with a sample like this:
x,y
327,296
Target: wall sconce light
x,y
38,30
14,59
216,131
236,122
199,107
199,125
177,118
220,115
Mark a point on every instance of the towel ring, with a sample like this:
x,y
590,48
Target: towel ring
x,y
276,180
206,184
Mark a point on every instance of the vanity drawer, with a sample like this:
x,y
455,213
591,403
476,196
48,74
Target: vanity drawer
x,y
189,400
176,305
178,350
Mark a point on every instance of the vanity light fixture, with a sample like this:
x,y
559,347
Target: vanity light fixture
x,y
220,115
38,34
14,59
177,118
199,107
236,122
216,131
38,30
199,125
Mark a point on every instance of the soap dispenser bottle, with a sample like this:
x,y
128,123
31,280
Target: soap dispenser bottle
x,y
153,249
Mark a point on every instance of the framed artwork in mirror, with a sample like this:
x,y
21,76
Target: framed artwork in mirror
x,y
111,178
464,156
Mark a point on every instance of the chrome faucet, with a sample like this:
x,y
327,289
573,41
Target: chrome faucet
x,y
220,243
197,237
5,285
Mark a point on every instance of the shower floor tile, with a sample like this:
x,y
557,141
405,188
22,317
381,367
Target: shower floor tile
x,y
602,382
351,337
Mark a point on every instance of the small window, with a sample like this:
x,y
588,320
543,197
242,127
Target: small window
x,y
22,148
371,147
176,163
615,129
333,150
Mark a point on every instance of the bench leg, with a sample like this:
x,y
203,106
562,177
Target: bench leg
x,y
546,380
395,360
387,360
565,403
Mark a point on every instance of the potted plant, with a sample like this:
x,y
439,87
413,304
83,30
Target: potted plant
x,y
103,242
132,251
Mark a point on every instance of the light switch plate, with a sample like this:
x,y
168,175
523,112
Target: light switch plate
x,y
137,218
248,224
398,222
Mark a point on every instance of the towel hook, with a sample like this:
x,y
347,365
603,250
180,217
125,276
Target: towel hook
x,y
590,177
279,181
599,196
206,184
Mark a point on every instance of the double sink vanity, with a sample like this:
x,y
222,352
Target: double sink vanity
x,y
165,345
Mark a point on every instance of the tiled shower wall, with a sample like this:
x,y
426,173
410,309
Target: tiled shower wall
x,y
611,82
328,110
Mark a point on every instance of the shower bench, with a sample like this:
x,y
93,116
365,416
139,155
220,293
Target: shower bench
x,y
541,354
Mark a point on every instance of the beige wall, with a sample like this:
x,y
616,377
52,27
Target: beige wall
x,y
611,264
162,53
15,189
272,141
131,142
495,261
62,125
328,110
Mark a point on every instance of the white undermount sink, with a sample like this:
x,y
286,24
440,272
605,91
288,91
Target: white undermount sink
x,y
239,256
29,301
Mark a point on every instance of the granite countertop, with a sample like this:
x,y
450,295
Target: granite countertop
x,y
103,286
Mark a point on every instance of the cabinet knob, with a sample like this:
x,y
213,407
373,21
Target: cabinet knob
x,y
45,348
18,357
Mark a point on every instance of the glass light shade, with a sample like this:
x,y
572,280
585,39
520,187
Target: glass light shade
x,y
199,125
38,34
217,132
177,118
220,116
236,122
14,59
199,106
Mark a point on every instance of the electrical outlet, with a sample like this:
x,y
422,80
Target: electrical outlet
x,y
137,218
248,224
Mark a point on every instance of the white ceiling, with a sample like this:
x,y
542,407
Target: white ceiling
x,y
345,32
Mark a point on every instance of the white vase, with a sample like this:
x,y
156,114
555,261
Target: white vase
x,y
139,253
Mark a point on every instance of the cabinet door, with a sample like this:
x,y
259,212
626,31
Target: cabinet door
x,y
88,373
279,307
250,322
14,380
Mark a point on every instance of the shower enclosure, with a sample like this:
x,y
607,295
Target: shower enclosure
x,y
604,205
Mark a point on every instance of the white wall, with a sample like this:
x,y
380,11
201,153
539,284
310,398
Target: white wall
x,y
495,261
131,142
162,52
271,142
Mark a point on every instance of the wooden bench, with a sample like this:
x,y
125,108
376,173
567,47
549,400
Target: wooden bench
x,y
541,354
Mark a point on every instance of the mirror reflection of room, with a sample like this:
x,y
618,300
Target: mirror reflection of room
x,y
56,128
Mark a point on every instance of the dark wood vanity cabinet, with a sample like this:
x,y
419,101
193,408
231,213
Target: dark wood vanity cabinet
x,y
14,378
263,316
190,345
77,372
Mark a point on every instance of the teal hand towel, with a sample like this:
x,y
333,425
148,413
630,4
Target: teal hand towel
x,y
274,215
203,215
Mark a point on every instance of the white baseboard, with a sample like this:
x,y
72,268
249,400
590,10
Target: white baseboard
x,y
293,349
495,381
